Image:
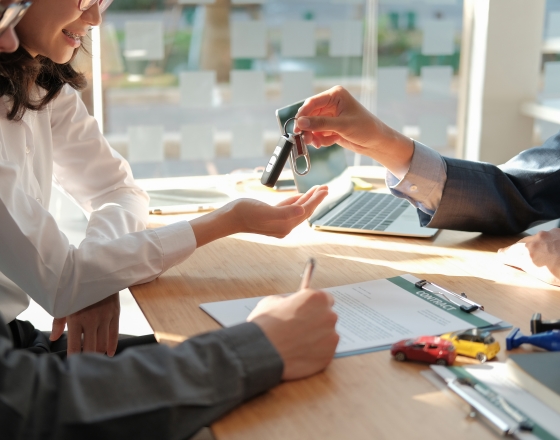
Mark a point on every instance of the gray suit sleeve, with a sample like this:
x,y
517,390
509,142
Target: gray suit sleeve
x,y
500,200
143,393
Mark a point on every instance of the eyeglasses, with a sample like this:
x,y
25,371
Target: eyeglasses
x,y
84,5
11,15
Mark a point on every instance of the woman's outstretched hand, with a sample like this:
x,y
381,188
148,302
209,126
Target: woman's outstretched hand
x,y
253,216
278,221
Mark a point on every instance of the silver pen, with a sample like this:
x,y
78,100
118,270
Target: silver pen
x,y
307,272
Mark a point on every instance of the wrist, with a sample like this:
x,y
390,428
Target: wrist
x,y
233,218
215,225
392,149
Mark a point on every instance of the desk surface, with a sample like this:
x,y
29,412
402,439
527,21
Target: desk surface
x,y
358,397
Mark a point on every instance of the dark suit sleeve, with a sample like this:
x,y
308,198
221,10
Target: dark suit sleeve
x,y
144,393
500,200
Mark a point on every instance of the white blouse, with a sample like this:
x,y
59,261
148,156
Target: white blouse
x,y
62,145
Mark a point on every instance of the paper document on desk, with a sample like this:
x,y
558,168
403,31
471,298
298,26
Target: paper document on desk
x,y
375,314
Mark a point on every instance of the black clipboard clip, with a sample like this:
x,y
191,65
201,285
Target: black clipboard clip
x,y
468,306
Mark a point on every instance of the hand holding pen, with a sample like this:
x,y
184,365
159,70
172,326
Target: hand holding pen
x,y
308,343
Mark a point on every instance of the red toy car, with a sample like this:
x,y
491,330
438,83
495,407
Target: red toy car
x,y
431,349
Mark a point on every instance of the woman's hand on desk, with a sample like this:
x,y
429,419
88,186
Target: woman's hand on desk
x,y
538,255
253,216
302,329
99,323
336,117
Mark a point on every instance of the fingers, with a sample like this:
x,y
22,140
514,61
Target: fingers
x,y
319,140
74,338
58,326
297,212
318,103
318,124
102,338
512,255
90,340
314,201
263,305
318,298
290,200
300,199
311,193
113,339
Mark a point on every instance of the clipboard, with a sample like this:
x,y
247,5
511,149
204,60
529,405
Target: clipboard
x,y
506,413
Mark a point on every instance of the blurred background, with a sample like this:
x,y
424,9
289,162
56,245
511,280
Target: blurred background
x,y
190,87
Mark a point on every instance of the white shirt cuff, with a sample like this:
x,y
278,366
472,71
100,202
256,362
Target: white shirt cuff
x,y
178,242
423,183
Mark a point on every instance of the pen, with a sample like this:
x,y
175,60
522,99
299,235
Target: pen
x,y
307,272
182,209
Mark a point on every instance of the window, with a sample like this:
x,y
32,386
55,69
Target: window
x,y
549,91
417,79
190,86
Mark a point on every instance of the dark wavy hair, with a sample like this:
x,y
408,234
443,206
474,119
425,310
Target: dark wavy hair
x,y
20,72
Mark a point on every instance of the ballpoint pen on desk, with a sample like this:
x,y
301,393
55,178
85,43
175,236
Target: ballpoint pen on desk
x,y
422,284
307,272
184,209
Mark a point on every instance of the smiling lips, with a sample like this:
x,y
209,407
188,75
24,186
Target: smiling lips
x,y
72,35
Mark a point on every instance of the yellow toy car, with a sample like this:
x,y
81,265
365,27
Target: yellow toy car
x,y
474,343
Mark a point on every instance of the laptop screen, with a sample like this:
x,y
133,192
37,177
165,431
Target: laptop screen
x,y
326,163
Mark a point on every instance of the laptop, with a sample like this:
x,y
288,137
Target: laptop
x,y
347,210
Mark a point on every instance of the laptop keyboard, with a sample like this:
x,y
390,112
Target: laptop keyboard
x,y
370,211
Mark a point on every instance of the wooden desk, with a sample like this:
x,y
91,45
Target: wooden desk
x,y
359,397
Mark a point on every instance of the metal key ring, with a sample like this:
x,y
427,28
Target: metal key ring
x,y
286,124
294,156
295,153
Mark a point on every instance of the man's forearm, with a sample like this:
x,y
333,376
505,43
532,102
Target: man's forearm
x,y
482,197
149,392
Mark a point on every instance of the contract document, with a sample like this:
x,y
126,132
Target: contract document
x,y
375,314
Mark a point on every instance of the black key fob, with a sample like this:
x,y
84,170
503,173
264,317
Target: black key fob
x,y
277,161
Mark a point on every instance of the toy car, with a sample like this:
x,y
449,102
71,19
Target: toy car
x,y
474,343
430,349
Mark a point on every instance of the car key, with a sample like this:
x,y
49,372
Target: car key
x,y
288,144
278,160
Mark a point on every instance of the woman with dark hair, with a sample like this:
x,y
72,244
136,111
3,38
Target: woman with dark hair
x,y
46,136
